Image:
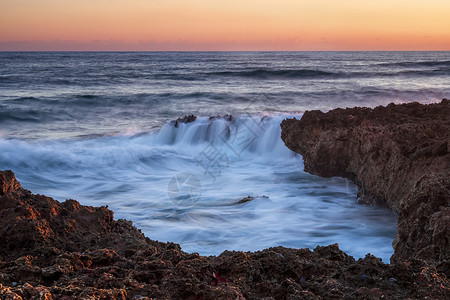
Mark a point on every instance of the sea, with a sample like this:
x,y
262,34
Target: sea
x,y
101,128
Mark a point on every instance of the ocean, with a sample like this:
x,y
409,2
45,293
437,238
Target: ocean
x,y
99,127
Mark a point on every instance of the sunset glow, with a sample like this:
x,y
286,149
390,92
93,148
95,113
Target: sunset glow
x,y
224,25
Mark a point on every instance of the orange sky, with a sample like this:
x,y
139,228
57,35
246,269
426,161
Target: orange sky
x,y
224,25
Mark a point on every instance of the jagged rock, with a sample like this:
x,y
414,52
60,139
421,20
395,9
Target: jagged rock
x,y
398,156
185,119
8,183
53,250
250,198
227,117
246,199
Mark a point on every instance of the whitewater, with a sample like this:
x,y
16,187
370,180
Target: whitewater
x,y
100,128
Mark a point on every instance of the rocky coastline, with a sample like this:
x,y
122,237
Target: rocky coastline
x,y
398,155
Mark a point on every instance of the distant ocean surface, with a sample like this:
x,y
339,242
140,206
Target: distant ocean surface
x,y
98,127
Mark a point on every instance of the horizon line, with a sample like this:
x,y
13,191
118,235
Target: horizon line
x,y
124,51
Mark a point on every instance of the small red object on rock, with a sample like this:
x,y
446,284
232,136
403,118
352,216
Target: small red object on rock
x,y
218,280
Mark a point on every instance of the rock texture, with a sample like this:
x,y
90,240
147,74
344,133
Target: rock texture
x,y
53,250
399,156
185,120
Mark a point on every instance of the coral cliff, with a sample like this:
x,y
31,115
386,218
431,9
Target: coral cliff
x,y
53,250
399,156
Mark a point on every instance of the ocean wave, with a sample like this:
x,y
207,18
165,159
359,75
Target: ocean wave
x,y
276,74
132,175
22,99
252,133
87,96
20,115
181,77
37,116
6,78
264,74
437,63
401,73
426,73
234,137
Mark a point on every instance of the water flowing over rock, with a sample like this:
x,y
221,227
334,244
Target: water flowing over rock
x,y
53,250
399,156
186,119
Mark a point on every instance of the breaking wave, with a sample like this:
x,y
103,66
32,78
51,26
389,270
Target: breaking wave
x,y
275,74
227,158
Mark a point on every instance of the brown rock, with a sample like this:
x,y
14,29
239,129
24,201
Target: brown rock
x,y
8,183
80,252
185,119
398,156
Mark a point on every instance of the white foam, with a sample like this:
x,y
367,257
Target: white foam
x,y
231,160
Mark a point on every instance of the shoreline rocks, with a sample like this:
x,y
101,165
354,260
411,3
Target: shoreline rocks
x,y
398,156
186,119
53,250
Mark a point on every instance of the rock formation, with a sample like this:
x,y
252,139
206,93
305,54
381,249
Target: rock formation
x,y
53,250
185,120
398,156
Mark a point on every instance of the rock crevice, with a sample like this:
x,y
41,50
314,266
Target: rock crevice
x,y
53,250
398,156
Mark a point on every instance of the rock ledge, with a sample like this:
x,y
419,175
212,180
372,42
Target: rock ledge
x,y
53,250
398,156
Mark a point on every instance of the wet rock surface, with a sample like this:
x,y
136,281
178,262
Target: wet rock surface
x,y
399,156
185,120
53,250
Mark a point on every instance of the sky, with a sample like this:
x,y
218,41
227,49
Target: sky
x,y
231,25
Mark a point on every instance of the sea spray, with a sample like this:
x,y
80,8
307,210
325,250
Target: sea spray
x,y
135,174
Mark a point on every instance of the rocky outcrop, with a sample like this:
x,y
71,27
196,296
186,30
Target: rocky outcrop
x,y
53,250
185,120
398,156
191,118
